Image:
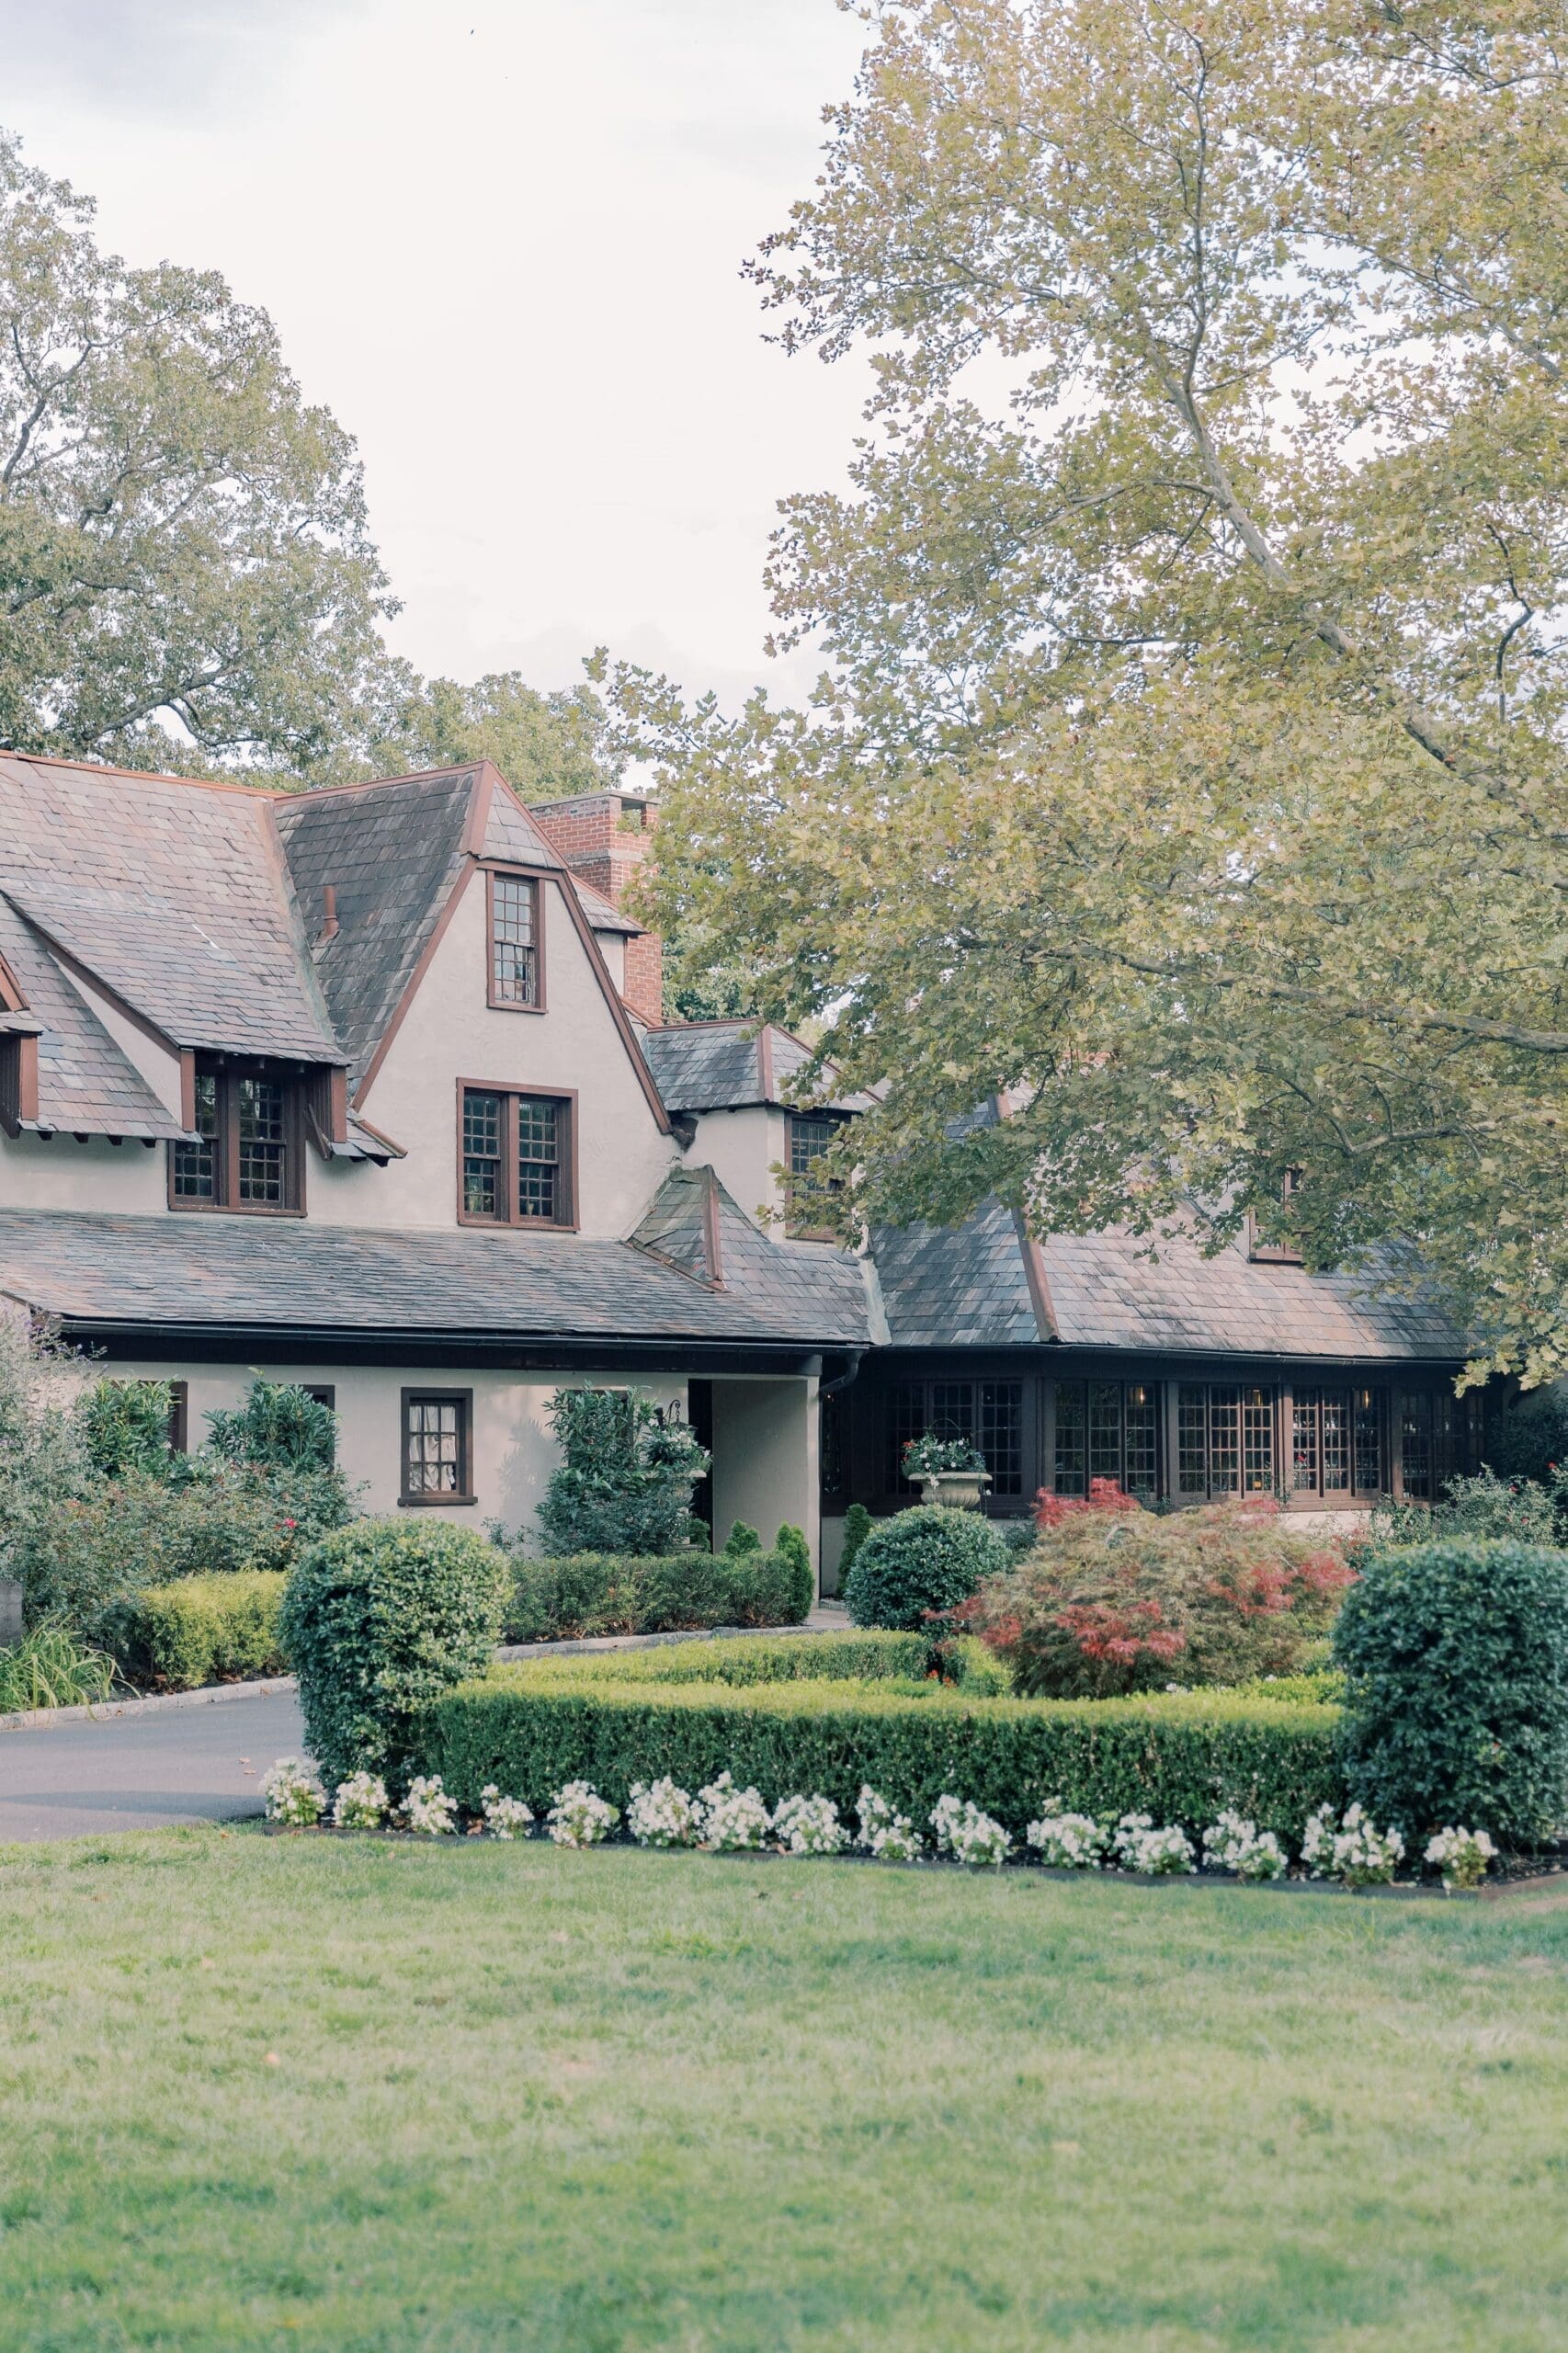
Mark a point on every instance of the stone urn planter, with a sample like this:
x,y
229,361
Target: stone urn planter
x,y
954,1490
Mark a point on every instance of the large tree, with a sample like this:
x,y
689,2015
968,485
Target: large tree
x,y
1187,770
186,574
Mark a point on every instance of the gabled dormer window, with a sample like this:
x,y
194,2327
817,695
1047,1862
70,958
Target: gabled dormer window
x,y
517,942
244,1149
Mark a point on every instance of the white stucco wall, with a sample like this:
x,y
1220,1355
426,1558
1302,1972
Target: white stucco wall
x,y
741,1147
97,1175
449,1032
764,1458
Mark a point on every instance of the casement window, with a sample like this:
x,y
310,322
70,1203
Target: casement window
x,y
437,1445
516,1157
1106,1429
1224,1439
1336,1448
246,1151
810,1133
989,1414
517,942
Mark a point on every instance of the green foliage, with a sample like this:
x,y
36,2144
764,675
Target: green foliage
x,y
546,746
1528,1439
598,1593
43,1456
625,1481
929,1453
920,1561
278,1426
1113,1600
196,1631
1477,1508
1456,1662
790,1545
530,1730
377,1622
49,1668
125,1427
862,1657
742,1540
1174,607
858,1525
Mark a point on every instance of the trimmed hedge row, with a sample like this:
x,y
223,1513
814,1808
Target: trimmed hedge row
x,y
1178,1758
750,1659
201,1630
615,1593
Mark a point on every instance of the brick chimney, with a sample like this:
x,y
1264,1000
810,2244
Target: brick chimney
x,y
588,832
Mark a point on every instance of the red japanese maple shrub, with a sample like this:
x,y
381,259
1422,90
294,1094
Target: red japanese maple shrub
x,y
1114,1598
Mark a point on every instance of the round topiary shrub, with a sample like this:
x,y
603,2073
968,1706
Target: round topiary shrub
x,y
925,1559
378,1620
1455,1663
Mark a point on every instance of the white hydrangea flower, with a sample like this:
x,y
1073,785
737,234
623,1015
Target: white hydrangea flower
x,y
1353,1849
1463,1856
810,1826
890,1835
580,1817
1234,1844
360,1803
968,1834
292,1793
1140,1846
664,1816
428,1810
732,1819
505,1817
1069,1842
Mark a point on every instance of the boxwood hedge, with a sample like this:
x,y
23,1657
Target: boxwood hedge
x,y
618,1593
199,1630
1181,1759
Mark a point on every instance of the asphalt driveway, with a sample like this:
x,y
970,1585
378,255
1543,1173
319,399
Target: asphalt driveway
x,y
200,1764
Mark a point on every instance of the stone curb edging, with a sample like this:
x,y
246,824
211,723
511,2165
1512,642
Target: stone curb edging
x,y
211,1694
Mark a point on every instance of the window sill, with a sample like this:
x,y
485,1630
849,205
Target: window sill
x,y
433,1503
516,1224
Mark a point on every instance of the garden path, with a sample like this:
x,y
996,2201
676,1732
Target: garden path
x,y
143,1772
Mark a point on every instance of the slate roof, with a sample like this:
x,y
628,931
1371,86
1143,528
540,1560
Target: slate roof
x,y
185,1273
85,1085
969,1286
726,1066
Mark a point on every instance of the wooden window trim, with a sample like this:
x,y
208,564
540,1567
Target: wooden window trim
x,y
536,876
462,1399
179,1417
512,1095
229,1072
836,1121
18,1082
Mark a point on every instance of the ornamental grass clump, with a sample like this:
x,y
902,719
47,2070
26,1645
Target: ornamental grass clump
x,y
1353,1849
970,1837
360,1803
578,1817
809,1826
1114,1599
1067,1842
292,1794
885,1833
1234,1844
1140,1845
1463,1857
505,1817
733,1818
660,1814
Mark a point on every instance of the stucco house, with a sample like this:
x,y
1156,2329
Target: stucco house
x,y
370,1088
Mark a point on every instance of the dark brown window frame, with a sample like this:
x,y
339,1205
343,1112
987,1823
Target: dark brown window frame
x,y
512,1093
179,1417
425,1499
537,877
229,1070
836,1121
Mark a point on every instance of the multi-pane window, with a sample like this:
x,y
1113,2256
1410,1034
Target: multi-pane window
x,y
436,1446
1106,1429
515,1158
988,1414
1417,1444
243,1151
1335,1443
1224,1439
810,1134
516,977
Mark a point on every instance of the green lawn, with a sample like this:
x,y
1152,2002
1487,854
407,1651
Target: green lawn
x,y
364,2098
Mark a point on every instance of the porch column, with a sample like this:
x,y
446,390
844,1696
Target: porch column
x,y
764,1459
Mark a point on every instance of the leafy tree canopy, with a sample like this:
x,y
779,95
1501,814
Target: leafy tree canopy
x,y
1187,770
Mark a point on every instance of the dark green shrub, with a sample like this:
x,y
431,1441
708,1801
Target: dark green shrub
x,y
378,1620
921,1560
767,1588
125,1426
199,1630
608,1593
867,1657
858,1525
742,1540
625,1481
1528,1437
1456,1663
531,1729
1474,1509
279,1426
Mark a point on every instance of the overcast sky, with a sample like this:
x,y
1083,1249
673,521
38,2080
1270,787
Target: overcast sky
x,y
501,241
